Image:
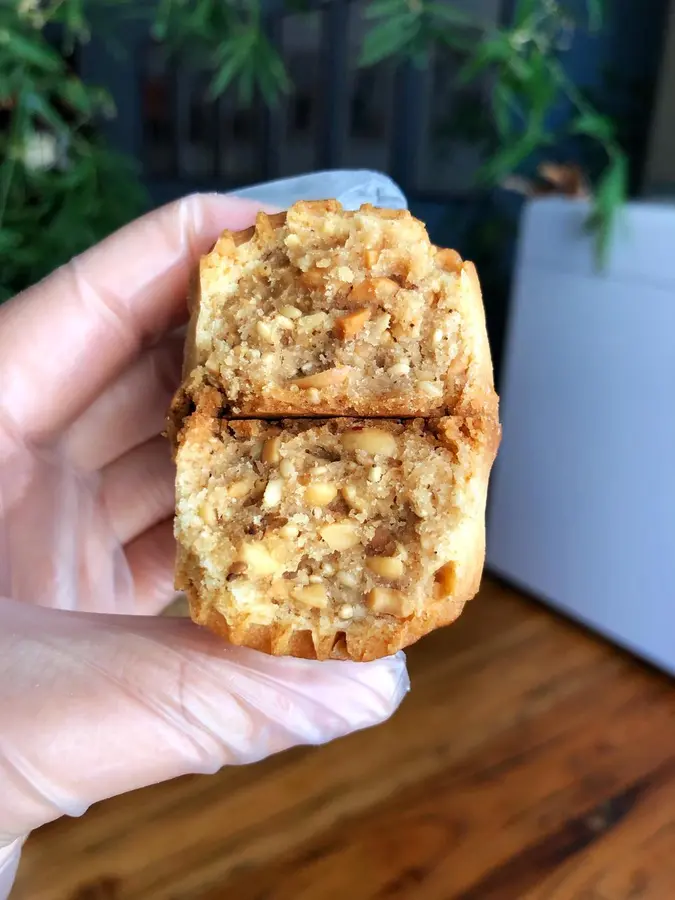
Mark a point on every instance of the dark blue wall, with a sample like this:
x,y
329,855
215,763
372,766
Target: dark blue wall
x,y
628,50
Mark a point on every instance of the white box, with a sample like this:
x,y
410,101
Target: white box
x,y
582,510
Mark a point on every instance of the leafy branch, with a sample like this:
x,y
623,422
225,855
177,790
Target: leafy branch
x,y
61,189
232,40
528,83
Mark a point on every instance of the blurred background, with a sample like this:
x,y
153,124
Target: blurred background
x,y
535,758
110,106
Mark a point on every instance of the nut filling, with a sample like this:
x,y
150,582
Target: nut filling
x,y
321,311
286,521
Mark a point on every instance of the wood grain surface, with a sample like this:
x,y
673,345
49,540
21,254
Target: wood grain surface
x,y
531,761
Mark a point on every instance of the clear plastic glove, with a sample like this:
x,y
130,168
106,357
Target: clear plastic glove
x,y
97,695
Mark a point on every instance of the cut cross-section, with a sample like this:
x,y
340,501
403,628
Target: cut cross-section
x,y
322,311
331,537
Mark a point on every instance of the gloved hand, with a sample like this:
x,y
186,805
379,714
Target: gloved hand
x,y
97,696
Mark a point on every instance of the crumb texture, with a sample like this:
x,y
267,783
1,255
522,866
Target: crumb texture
x,y
322,311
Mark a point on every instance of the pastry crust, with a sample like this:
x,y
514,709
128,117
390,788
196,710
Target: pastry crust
x,y
425,513
322,311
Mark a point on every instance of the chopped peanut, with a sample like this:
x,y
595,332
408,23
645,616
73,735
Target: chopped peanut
x,y
385,566
270,451
259,560
388,602
313,279
323,379
290,312
340,535
372,289
313,595
241,488
273,493
353,498
320,493
348,326
371,440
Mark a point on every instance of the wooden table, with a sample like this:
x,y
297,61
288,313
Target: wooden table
x,y
530,762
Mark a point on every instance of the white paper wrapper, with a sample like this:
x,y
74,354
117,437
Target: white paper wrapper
x,y
351,187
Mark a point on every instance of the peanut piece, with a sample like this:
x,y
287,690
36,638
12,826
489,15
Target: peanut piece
x,y
344,273
286,468
385,566
446,580
347,579
388,602
375,474
314,322
371,440
353,498
450,260
241,488
430,389
279,589
401,368
264,330
312,279
313,595
348,326
259,560
379,326
323,379
370,258
372,289
340,535
346,611
273,492
270,451
291,312
320,493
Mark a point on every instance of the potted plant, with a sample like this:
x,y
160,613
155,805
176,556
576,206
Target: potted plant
x,y
582,509
61,188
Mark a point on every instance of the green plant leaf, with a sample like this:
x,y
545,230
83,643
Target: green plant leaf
x,y
594,125
596,14
503,107
525,10
246,85
231,58
380,9
609,197
38,106
390,38
448,14
510,156
496,50
35,52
